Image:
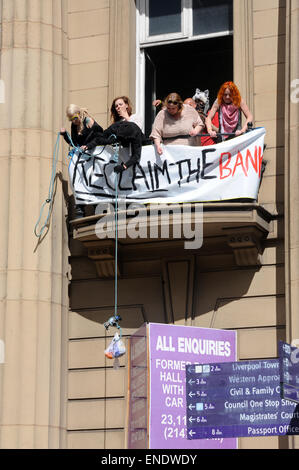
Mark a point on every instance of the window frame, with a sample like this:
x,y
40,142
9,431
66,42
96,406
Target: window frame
x,y
143,41
145,38
186,34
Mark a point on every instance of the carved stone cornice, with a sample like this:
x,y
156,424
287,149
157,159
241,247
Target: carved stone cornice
x,y
246,244
103,255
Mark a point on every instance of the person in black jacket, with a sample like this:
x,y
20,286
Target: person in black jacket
x,y
87,134
126,133
84,130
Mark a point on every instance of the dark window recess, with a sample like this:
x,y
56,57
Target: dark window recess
x,y
183,67
164,17
212,16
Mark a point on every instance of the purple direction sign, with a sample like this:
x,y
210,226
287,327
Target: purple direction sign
x,y
238,399
289,371
171,349
138,399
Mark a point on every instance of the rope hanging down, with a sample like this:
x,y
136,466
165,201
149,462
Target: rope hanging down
x,y
113,321
49,200
116,347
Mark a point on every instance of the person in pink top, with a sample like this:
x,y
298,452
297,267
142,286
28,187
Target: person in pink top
x,y
230,107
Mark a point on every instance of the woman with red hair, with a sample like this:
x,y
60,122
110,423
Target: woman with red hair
x,y
230,106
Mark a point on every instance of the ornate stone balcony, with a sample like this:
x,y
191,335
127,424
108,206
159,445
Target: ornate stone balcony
x,y
240,229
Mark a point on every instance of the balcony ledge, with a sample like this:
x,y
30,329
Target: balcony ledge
x,y
239,227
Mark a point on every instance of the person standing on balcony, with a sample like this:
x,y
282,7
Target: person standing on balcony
x,y
176,124
126,129
84,130
230,106
121,110
202,105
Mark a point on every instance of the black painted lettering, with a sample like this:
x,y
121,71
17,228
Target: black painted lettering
x,y
206,165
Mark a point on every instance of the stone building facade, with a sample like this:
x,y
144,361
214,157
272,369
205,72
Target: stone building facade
x,y
57,389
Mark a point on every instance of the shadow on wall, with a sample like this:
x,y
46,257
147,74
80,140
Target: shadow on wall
x,y
145,298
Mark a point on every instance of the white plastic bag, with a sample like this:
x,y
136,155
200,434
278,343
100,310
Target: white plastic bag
x,y
116,348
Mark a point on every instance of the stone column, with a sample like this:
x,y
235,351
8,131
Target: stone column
x,y
33,284
122,50
243,49
292,169
292,176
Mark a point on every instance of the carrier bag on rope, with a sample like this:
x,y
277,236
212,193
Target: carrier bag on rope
x,y
116,348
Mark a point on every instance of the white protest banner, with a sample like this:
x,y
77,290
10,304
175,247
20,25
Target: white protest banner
x,y
228,170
